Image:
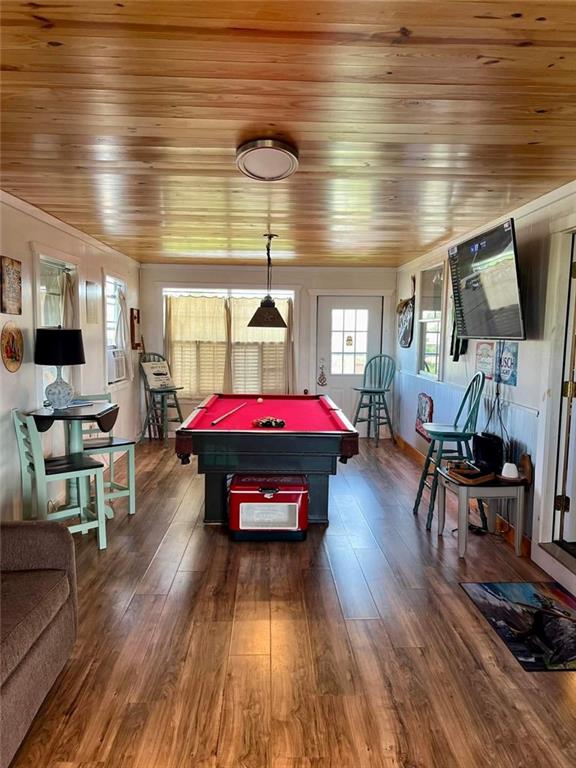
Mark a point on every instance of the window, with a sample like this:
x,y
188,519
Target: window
x,y
349,340
117,335
56,306
211,348
430,319
57,287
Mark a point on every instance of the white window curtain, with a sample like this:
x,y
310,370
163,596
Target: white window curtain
x,y
258,354
68,300
197,329
123,331
289,360
210,347
58,304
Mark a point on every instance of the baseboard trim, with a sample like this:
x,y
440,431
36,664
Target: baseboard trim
x,y
410,451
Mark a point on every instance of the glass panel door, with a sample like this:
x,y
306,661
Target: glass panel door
x,y
564,530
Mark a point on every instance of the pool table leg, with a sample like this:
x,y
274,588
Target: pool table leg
x,y
216,501
318,508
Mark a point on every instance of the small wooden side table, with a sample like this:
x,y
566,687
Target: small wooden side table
x,y
496,490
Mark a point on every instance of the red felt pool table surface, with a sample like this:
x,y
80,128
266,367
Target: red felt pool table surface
x,y
302,413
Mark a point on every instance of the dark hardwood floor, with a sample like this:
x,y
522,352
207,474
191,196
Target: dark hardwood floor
x,y
354,649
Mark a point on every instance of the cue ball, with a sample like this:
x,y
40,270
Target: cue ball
x,y
260,400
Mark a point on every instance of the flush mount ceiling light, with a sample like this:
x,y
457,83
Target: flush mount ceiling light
x,y
267,159
267,314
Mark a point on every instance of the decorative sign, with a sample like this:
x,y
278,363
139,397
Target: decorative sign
x,y
485,358
158,375
135,338
322,381
507,363
12,343
11,279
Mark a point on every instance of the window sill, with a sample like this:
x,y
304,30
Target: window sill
x,y
428,376
118,385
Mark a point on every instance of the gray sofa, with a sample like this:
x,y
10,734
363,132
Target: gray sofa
x,y
38,622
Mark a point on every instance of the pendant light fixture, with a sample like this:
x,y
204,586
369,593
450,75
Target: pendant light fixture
x,y
267,315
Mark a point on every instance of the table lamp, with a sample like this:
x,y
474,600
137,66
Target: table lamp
x,y
59,346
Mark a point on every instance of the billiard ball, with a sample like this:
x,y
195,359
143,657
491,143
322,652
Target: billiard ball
x,y
260,400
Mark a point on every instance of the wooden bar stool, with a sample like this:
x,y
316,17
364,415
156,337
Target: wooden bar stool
x,y
378,377
38,473
105,443
459,433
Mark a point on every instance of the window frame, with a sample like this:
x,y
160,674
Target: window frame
x,y
424,322
46,253
120,280
237,291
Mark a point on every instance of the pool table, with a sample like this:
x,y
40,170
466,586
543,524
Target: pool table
x,y
316,434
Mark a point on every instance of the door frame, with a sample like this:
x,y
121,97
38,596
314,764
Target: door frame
x,y
562,230
387,345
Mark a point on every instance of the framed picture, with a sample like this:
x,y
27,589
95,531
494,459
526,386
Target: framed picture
x,y
92,302
12,347
135,338
11,281
405,311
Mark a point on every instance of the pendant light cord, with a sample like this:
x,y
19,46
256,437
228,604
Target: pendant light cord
x,y
269,235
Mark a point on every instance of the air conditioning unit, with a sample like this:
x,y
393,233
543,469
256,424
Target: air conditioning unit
x,y
116,363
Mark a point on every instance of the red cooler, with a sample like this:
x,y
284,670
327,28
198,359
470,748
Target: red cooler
x,y
268,508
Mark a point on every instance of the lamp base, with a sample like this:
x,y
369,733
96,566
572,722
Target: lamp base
x,y
59,394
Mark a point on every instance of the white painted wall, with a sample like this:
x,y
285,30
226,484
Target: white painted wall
x,y
544,275
22,224
303,280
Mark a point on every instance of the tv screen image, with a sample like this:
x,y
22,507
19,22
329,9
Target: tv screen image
x,y
484,272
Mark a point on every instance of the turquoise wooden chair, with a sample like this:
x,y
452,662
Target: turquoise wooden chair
x,y
378,376
105,443
38,473
159,402
460,432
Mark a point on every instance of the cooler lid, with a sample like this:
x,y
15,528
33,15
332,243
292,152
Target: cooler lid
x,y
256,482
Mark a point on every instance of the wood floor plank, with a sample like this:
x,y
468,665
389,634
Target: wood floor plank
x,y
297,727
245,731
355,598
334,663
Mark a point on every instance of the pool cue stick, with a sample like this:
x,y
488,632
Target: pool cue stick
x,y
229,413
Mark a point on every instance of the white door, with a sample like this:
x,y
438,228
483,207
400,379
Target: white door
x,y
349,332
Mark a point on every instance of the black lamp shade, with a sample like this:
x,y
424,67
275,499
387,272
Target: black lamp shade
x,y
59,346
267,315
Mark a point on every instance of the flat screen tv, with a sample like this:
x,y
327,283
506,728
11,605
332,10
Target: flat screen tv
x,y
485,285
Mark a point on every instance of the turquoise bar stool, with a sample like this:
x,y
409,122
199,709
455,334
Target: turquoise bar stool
x,y
378,376
457,434
159,402
38,473
105,443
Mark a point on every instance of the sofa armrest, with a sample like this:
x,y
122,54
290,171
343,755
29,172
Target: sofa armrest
x,y
29,546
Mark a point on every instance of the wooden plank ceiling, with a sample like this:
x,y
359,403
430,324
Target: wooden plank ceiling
x,y
415,120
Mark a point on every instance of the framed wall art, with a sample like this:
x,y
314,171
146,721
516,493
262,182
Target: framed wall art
x,y
135,338
11,286
405,311
12,347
